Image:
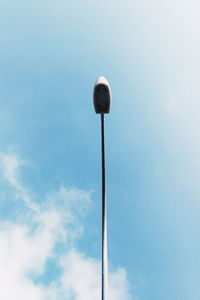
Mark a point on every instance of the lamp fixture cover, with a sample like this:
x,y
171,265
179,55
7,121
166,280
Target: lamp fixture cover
x,y
102,96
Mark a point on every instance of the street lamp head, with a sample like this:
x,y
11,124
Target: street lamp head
x,y
102,96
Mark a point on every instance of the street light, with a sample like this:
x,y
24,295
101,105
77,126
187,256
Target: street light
x,y
102,103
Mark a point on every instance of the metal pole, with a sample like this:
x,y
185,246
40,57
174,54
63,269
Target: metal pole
x,y
104,220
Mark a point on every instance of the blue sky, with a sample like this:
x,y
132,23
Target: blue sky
x,y
50,56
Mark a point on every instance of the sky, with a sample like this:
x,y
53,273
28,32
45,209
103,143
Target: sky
x,y
51,53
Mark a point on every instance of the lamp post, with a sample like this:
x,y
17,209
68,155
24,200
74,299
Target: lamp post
x,y
102,102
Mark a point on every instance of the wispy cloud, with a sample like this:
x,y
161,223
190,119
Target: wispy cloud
x,y
29,243
10,164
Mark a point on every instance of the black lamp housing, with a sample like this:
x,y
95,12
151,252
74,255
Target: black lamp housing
x,y
102,96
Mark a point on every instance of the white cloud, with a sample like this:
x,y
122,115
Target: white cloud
x,y
27,245
10,164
